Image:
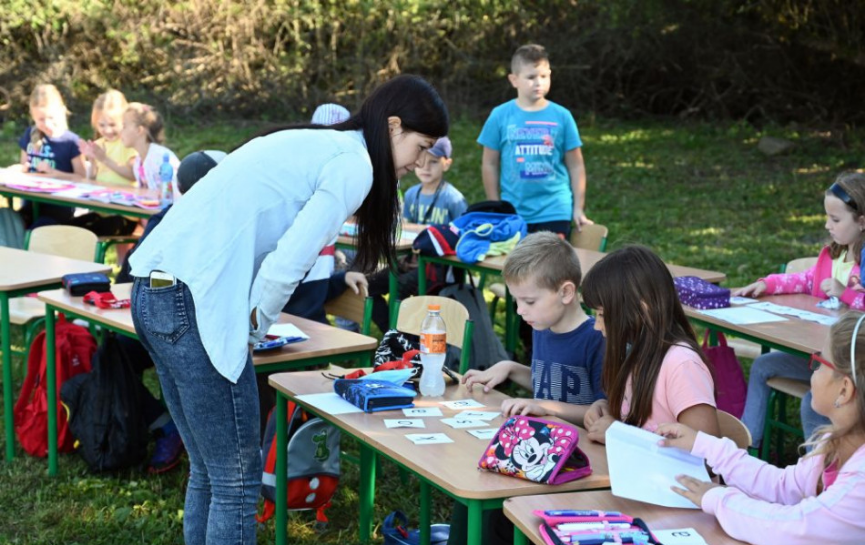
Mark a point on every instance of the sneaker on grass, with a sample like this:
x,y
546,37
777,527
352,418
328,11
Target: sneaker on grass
x,y
166,455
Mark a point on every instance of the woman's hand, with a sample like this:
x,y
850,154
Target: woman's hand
x,y
522,407
357,282
677,435
694,489
753,290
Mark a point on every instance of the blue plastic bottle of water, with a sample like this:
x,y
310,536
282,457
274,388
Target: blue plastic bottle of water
x,y
166,174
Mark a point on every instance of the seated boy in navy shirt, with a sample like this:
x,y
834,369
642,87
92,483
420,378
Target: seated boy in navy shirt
x,y
543,275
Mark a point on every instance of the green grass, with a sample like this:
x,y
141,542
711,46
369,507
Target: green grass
x,y
699,193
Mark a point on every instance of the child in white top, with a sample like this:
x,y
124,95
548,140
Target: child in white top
x,y
821,498
110,159
143,130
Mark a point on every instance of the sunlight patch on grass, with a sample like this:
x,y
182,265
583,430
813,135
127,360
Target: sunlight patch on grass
x,y
716,231
635,164
813,169
813,220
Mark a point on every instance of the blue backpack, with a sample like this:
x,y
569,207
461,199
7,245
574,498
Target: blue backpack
x,y
396,533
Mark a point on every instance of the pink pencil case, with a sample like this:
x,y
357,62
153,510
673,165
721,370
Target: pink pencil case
x,y
537,450
575,527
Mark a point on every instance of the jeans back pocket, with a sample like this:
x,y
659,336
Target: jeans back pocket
x,y
163,311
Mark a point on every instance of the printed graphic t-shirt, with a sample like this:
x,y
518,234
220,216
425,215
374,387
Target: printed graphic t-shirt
x,y
58,151
447,206
532,146
567,366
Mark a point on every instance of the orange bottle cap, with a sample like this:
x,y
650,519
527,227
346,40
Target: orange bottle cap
x,y
434,307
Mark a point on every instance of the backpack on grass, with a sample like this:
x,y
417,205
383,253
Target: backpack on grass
x,y
11,229
105,411
74,351
313,463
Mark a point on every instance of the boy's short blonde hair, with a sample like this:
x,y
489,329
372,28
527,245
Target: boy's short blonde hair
x,y
546,258
528,54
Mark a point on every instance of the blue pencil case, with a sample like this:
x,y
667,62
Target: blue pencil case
x,y
374,395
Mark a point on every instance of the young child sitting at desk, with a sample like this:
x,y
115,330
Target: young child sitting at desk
x,y
543,274
821,498
654,370
833,276
144,131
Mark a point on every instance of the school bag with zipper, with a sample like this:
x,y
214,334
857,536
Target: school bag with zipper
x,y
105,413
313,463
74,351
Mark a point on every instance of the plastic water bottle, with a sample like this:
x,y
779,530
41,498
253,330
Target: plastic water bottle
x,y
166,174
433,348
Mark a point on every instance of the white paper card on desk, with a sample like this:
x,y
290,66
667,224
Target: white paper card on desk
x,y
404,423
462,404
479,415
485,434
460,423
287,330
743,315
642,470
422,411
428,438
329,402
742,300
682,536
796,312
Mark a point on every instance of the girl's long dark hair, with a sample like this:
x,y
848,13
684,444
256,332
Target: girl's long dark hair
x,y
643,318
421,109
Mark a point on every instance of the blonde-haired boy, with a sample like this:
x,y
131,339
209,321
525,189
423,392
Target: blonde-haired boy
x,y
543,275
532,154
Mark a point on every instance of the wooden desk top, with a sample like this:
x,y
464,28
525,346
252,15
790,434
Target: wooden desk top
x,y
801,335
519,511
452,466
9,176
324,340
588,258
20,269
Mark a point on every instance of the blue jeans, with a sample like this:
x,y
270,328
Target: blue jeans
x,y
776,364
218,420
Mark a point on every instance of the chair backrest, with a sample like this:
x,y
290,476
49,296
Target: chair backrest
x,y
413,310
63,241
733,428
799,265
591,237
351,306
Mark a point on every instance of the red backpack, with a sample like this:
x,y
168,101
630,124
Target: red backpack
x,y
313,463
74,350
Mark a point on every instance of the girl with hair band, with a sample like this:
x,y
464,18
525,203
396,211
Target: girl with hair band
x,y
834,275
214,274
654,371
144,131
818,500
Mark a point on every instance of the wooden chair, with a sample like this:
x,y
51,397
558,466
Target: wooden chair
x,y
780,389
591,237
733,428
799,265
60,240
352,306
460,328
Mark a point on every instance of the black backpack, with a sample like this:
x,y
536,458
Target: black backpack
x,y
105,410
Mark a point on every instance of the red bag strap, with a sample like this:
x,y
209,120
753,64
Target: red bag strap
x,y
722,340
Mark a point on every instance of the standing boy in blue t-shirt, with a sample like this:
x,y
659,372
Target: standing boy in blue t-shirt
x,y
543,274
532,151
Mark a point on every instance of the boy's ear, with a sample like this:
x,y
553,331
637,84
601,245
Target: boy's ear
x,y
446,163
513,79
568,292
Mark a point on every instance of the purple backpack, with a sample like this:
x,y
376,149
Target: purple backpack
x,y
697,293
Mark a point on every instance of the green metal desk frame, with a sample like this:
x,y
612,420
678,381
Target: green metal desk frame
x,y
368,462
365,357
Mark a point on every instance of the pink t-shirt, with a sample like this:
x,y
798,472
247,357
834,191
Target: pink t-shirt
x,y
684,381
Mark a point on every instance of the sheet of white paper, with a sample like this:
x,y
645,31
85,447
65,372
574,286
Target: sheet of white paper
x,y
643,471
798,313
487,433
329,403
462,404
286,330
479,415
408,235
404,423
683,536
428,438
742,300
459,422
743,315
422,411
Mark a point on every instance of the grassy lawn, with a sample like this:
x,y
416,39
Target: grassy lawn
x,y
698,193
